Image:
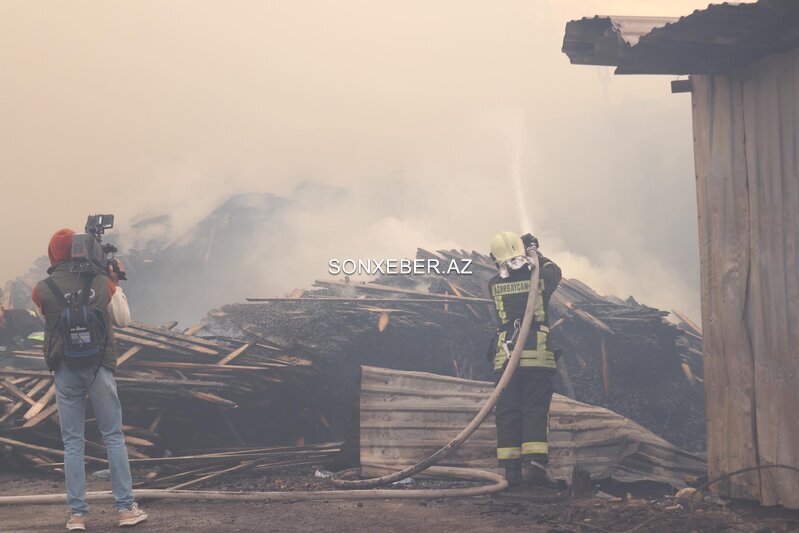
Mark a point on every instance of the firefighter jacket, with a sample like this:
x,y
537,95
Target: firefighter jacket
x,y
510,300
18,326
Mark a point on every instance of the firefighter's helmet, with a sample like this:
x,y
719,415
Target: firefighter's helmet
x,y
506,245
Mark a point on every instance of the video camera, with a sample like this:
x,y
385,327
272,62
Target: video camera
x,y
88,251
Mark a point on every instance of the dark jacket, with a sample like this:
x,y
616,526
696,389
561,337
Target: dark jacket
x,y
510,300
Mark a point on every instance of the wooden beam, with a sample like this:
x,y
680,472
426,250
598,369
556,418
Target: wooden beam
x,y
130,352
208,366
213,398
432,300
234,354
14,408
40,404
175,477
193,329
133,350
154,425
591,319
135,336
32,447
458,292
174,335
133,452
136,441
384,288
173,382
28,373
10,387
695,329
605,364
120,335
243,466
324,448
39,385
41,416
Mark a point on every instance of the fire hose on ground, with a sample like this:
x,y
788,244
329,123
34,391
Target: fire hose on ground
x,y
360,489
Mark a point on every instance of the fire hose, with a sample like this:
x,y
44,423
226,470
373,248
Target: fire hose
x,y
361,489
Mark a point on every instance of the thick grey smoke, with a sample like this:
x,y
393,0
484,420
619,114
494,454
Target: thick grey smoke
x,y
387,126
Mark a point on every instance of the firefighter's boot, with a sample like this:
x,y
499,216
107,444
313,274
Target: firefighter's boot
x,y
536,475
513,474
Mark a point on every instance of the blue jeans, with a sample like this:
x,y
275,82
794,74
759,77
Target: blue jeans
x,y
72,386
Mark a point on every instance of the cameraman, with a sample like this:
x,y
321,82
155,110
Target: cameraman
x,y
73,383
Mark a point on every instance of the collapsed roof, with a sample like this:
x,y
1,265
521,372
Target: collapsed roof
x,y
709,41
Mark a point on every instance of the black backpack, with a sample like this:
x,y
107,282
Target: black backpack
x,y
82,326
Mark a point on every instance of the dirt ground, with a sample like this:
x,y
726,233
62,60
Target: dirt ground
x,y
521,510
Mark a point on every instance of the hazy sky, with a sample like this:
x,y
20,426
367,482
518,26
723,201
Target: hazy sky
x,y
418,111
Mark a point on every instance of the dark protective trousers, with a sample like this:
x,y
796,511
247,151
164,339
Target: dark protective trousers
x,y
522,416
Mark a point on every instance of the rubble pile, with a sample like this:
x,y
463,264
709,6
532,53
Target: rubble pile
x,y
275,381
192,406
631,359
617,353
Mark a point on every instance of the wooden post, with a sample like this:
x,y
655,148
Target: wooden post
x,y
581,483
605,365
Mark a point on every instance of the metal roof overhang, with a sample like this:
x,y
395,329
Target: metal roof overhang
x,y
711,41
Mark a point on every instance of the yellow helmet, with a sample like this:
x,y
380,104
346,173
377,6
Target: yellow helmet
x,y
506,245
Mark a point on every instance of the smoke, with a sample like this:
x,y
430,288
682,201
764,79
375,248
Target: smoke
x,y
383,126
517,142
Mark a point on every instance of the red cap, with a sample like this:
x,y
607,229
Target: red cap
x,y
60,247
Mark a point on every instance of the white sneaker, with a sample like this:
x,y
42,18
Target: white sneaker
x,y
132,516
76,522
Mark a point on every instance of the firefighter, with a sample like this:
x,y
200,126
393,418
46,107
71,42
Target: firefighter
x,y
19,328
522,412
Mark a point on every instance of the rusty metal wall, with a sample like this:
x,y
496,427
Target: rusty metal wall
x,y
405,416
746,130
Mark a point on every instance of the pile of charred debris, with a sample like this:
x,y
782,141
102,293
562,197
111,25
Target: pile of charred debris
x,y
195,408
643,363
274,382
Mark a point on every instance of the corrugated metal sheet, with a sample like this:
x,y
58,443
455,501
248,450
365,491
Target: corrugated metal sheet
x,y
746,131
713,40
405,416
